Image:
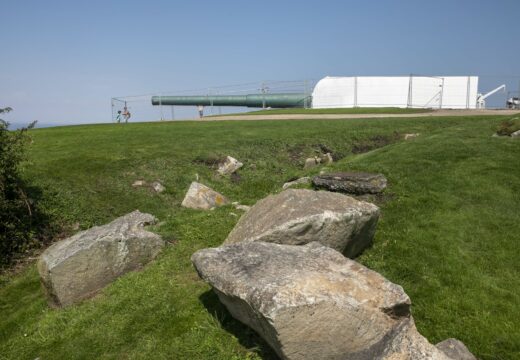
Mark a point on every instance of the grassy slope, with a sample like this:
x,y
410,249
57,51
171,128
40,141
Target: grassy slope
x,y
449,235
358,110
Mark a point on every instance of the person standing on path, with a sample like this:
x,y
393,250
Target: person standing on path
x,y
126,114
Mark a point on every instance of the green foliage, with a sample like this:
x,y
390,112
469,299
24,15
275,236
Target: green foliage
x,y
18,214
507,127
448,231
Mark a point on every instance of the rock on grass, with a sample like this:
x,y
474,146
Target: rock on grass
x,y
78,267
300,216
310,302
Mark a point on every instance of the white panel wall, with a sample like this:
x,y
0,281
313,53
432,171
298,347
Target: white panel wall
x,y
379,91
334,92
456,92
425,92
460,92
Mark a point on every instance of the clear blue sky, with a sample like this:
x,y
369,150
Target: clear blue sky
x,y
62,61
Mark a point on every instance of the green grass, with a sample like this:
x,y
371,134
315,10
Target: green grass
x,y
448,232
357,110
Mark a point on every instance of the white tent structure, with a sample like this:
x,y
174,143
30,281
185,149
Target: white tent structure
x,y
439,92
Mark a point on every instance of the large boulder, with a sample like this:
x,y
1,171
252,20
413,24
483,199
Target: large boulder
x,y
76,268
300,216
455,349
358,183
201,197
310,302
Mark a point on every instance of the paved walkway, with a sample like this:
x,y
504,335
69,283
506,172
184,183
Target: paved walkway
x,y
361,116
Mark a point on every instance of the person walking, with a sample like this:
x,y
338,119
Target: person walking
x,y
119,117
126,114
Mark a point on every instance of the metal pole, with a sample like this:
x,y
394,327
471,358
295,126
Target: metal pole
x,y
160,106
263,97
467,92
355,91
305,94
112,109
211,100
442,94
410,88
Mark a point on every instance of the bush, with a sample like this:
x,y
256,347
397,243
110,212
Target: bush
x,y
506,128
20,226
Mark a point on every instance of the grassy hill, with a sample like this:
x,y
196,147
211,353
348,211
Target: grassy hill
x,y
449,232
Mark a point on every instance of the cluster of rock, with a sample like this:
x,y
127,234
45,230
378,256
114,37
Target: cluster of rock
x,y
154,185
284,270
78,267
202,197
317,160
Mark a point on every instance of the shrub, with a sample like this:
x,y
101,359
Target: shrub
x,y
19,221
506,128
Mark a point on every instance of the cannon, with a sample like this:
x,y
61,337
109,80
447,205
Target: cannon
x,y
282,100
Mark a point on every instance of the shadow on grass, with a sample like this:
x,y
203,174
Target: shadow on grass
x,y
245,335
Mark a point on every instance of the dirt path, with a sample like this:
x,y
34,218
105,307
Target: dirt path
x,y
361,116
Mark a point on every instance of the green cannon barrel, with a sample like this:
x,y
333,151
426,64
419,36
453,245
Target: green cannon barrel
x,y
288,100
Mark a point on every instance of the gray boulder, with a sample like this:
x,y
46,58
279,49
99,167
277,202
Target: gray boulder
x,y
516,134
310,302
300,216
76,268
358,183
455,349
200,196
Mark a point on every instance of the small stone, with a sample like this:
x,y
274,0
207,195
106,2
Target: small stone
x,y
455,349
201,197
300,181
157,187
139,183
516,134
411,136
327,159
243,207
229,166
310,163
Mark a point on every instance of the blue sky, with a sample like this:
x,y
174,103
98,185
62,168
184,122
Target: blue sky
x,y
62,61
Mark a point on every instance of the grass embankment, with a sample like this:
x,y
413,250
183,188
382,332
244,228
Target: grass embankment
x,y
448,232
358,110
